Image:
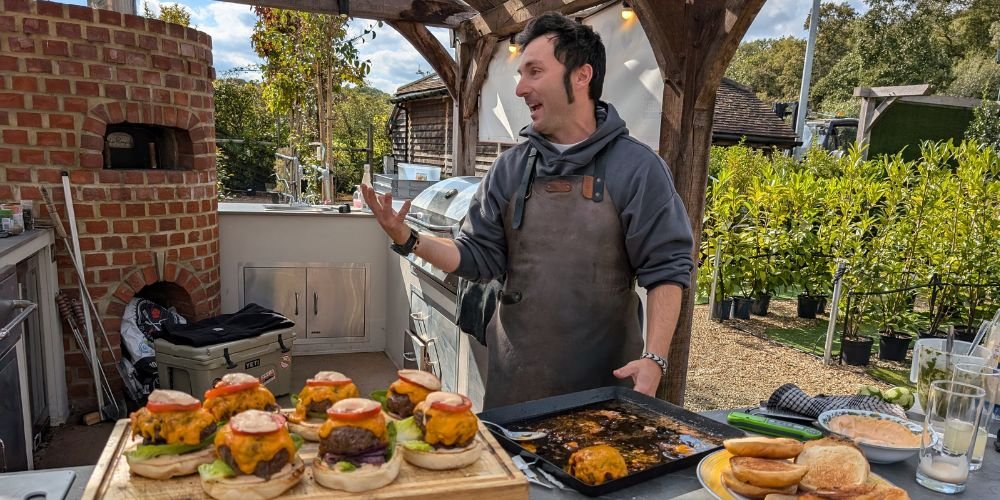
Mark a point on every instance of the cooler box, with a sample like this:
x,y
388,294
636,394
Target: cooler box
x,y
194,370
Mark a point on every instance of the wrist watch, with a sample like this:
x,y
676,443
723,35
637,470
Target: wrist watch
x,y
407,247
656,359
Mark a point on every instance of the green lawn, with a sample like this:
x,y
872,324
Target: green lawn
x,y
811,340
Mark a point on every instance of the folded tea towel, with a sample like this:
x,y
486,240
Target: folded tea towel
x,y
790,398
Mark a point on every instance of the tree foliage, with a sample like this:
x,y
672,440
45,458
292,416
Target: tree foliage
x,y
950,44
170,13
248,132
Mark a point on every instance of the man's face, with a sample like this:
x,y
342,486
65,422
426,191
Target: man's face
x,y
542,88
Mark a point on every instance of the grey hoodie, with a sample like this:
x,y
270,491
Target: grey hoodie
x,y
657,231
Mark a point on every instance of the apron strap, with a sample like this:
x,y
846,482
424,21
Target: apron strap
x,y
600,167
524,189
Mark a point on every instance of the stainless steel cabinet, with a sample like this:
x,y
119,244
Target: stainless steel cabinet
x,y
326,302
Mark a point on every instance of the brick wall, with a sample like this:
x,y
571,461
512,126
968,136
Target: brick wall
x,y
66,73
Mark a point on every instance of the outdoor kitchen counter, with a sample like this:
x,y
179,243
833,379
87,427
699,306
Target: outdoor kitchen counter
x,y
258,209
684,484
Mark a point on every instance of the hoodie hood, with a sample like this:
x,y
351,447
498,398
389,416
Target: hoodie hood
x,y
609,127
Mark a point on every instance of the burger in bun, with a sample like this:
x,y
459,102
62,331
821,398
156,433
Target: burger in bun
x,y
176,436
357,449
258,458
236,393
408,391
441,434
311,404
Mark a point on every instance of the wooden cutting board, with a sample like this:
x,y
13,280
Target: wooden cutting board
x,y
494,476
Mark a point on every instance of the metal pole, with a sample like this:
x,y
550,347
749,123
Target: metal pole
x,y
715,280
800,120
831,327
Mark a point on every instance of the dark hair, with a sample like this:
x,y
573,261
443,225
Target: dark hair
x,y
576,44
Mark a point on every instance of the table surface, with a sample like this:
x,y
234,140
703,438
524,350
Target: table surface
x,y
684,484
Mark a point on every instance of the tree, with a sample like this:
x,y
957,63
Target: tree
x,y
771,66
975,74
985,126
175,13
355,110
248,134
834,40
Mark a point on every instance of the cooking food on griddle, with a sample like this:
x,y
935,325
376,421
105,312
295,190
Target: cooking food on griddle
x,y
357,449
311,404
406,393
238,392
258,458
644,438
597,464
176,436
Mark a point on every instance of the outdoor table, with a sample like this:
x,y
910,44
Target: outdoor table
x,y
684,484
984,483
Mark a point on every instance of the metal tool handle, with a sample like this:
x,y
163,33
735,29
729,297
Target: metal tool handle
x,y
26,309
430,227
296,303
315,304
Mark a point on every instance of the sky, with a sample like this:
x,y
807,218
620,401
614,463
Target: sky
x,y
394,61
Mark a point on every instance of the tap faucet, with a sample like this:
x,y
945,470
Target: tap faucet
x,y
295,184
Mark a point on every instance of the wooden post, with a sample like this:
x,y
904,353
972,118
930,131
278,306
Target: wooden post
x,y
693,43
473,62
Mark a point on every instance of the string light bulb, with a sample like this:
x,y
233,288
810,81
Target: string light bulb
x,y
512,46
627,13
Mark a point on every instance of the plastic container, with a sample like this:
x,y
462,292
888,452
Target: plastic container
x,y
413,172
358,199
194,370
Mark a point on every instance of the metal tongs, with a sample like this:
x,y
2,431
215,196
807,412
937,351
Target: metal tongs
x,y
530,468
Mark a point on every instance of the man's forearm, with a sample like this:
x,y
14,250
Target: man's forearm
x,y
663,306
442,253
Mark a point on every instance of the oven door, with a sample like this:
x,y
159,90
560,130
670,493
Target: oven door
x,y
432,319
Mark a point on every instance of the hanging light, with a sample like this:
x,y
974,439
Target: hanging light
x,y
511,45
627,12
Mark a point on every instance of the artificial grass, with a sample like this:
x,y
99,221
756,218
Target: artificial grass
x,y
811,340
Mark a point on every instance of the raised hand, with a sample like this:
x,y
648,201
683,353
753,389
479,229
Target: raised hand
x,y
392,222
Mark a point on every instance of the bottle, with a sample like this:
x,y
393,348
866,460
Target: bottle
x,y
28,207
358,199
366,180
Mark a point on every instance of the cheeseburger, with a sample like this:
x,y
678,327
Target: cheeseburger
x,y
258,458
445,429
176,436
357,449
311,404
412,387
238,392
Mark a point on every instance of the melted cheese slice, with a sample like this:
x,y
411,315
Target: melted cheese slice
x,y
448,429
375,424
175,427
225,406
313,393
412,391
249,450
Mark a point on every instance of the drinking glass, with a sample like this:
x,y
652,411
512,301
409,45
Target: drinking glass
x,y
953,410
987,379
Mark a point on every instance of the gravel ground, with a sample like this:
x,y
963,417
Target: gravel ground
x,y
729,367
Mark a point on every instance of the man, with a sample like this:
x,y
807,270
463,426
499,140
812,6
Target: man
x,y
571,218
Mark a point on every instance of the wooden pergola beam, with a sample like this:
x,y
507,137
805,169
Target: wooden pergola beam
x,y
693,43
438,13
896,91
430,47
510,17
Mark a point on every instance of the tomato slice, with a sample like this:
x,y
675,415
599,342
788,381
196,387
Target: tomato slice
x,y
354,409
165,407
222,390
249,430
328,383
446,406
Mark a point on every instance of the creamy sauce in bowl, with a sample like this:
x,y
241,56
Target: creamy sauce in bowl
x,y
874,431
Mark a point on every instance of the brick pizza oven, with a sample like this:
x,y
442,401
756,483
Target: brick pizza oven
x,y
124,104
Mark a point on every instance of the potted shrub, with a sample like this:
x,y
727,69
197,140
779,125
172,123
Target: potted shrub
x,y
855,348
895,337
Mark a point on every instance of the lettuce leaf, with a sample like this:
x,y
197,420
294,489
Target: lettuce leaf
x,y
313,415
295,398
215,471
148,451
408,430
417,446
382,397
391,448
344,466
297,440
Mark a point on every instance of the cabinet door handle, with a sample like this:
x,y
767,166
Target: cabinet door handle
x,y
296,303
315,304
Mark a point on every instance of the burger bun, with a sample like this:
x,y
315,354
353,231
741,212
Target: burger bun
x,y
308,429
445,458
246,487
168,466
364,478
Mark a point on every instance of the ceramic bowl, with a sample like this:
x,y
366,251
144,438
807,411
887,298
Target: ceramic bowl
x,y
878,454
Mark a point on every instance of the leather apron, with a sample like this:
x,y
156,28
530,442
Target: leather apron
x,y
569,314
